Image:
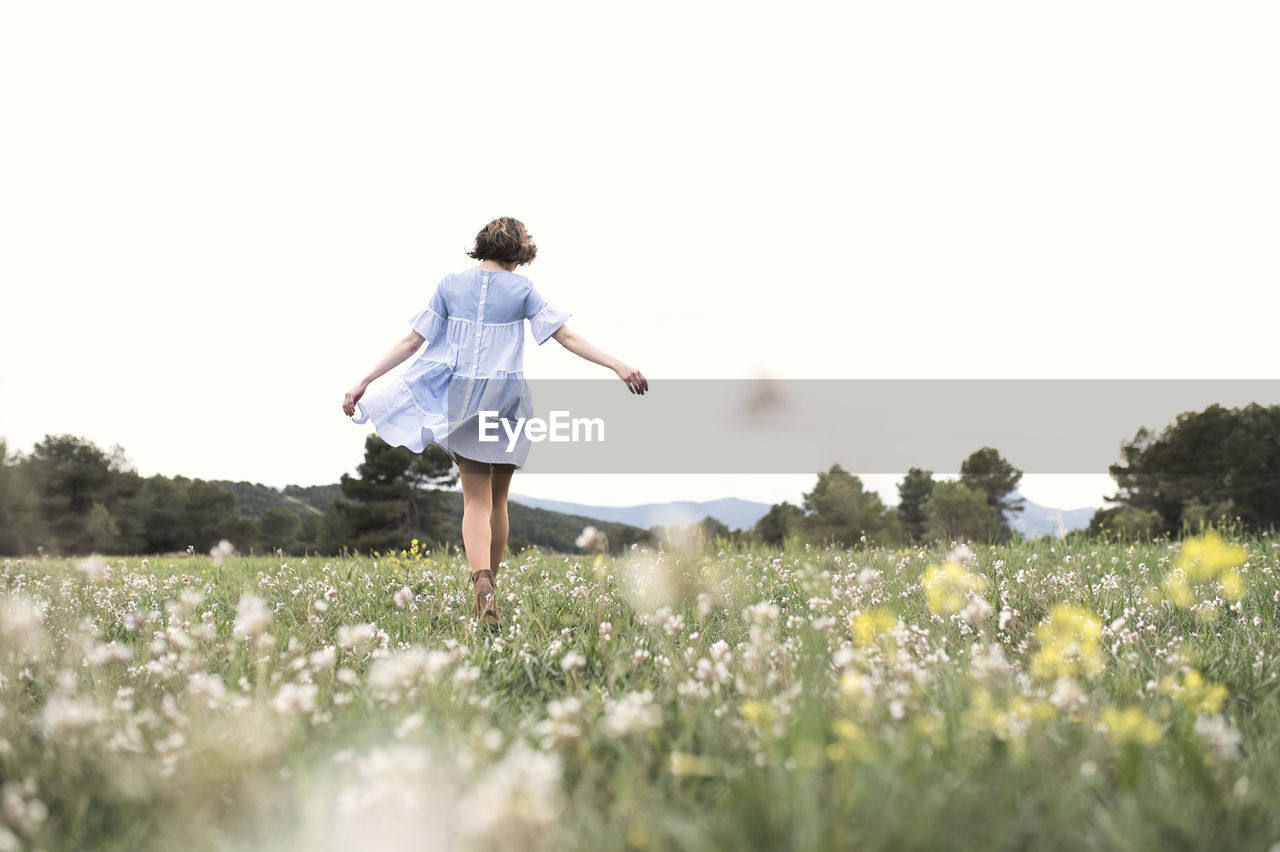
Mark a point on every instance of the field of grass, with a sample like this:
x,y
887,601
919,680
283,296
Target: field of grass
x,y
1038,695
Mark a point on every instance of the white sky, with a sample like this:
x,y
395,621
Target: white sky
x,y
214,218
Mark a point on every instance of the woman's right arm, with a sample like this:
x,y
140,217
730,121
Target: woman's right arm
x,y
583,348
398,354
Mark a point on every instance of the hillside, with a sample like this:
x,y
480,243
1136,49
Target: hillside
x,y
730,511
552,530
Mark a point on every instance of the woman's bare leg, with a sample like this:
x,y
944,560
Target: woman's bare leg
x,y
477,506
500,482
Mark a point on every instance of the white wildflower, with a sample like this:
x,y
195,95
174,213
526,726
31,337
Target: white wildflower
x,y
633,713
222,551
253,617
1067,695
65,712
1221,740
295,698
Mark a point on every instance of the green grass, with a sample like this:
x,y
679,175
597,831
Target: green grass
x,y
728,704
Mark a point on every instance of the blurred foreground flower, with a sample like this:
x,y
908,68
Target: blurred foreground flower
x,y
1068,644
1129,727
592,539
949,587
1204,558
222,551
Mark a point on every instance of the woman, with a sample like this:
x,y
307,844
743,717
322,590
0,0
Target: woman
x,y
473,363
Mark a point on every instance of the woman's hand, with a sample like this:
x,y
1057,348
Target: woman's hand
x,y
633,378
352,397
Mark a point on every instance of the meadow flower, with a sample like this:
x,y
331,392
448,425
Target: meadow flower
x,y
631,714
93,568
573,661
296,698
681,764
1220,739
106,654
408,725
66,712
975,611
591,539
207,689
515,798
867,627
253,617
21,625
20,807
949,587
324,659
398,674
221,552
1201,696
762,613
1067,695
357,638
1129,726
1069,646
1206,557
988,661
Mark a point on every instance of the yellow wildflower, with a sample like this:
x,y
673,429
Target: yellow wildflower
x,y
1208,556
757,713
1199,695
1068,644
1205,557
1129,726
947,588
868,626
691,764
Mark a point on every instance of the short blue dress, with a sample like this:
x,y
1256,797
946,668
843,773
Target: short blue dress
x,y
471,372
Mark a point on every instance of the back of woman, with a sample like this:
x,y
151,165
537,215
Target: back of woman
x,y
472,373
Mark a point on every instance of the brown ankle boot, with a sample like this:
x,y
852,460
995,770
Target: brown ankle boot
x,y
485,605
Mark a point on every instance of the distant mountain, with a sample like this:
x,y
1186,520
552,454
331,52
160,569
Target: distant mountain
x,y
549,529
546,521
254,498
1034,520
1037,520
730,511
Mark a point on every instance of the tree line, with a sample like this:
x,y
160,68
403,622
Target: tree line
x,y
68,496
1219,466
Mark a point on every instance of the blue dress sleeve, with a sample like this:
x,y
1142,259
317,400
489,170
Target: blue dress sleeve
x,y
544,317
432,321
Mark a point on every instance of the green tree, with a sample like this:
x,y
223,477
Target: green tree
x,y
395,498
66,476
178,513
1205,464
10,537
841,510
278,528
913,492
1128,522
987,471
960,513
782,519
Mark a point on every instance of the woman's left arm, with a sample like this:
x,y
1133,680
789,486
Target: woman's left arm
x,y
398,354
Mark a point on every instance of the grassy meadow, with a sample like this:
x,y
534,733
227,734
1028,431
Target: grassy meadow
x,y
1046,695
